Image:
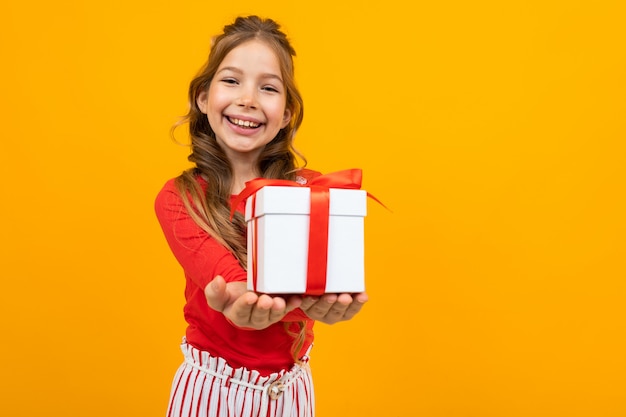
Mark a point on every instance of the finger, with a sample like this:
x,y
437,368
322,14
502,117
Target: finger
x,y
278,310
355,306
321,307
215,293
293,302
307,302
345,299
361,297
240,311
338,310
261,311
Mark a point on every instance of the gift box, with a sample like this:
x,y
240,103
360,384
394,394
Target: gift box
x,y
292,251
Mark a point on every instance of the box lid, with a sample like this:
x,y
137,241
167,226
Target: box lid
x,y
297,200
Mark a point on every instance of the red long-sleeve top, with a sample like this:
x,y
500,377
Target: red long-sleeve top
x,y
202,258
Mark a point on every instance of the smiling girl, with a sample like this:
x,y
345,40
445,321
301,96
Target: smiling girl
x,y
245,354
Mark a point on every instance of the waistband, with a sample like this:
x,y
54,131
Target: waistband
x,y
271,386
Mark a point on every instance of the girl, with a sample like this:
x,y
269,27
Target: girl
x,y
245,354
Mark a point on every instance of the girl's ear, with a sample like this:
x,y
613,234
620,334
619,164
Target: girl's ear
x,y
202,100
286,117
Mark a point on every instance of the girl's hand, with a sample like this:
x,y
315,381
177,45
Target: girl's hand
x,y
246,308
332,308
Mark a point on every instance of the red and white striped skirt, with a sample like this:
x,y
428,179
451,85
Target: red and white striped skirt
x,y
205,386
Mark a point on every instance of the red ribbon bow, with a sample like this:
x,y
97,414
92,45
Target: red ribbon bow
x,y
318,221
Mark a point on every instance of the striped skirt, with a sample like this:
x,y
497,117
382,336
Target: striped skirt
x,y
205,386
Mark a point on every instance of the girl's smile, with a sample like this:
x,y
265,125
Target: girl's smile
x,y
249,124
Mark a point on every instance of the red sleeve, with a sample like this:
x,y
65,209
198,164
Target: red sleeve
x,y
200,255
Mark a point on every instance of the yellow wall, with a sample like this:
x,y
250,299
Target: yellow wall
x,y
494,130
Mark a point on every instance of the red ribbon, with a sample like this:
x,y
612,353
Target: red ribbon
x,y
318,220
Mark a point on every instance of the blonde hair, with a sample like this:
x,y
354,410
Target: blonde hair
x,y
210,208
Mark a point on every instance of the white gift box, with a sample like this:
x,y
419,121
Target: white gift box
x,y
279,228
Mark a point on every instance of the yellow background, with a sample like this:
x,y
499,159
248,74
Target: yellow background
x,y
493,130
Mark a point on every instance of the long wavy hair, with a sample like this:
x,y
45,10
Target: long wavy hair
x,y
210,208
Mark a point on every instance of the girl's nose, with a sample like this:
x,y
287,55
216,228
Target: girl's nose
x,y
247,99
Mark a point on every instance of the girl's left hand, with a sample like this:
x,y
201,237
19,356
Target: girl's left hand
x,y
333,308
245,308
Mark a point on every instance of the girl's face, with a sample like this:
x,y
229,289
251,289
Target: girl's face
x,y
245,102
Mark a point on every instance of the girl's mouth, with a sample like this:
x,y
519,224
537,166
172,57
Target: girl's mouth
x,y
243,123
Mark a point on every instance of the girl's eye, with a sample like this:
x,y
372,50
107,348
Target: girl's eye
x,y
229,81
270,89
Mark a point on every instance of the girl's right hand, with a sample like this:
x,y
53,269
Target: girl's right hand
x,y
333,308
245,308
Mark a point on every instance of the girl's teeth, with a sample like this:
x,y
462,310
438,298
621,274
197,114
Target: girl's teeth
x,y
244,123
